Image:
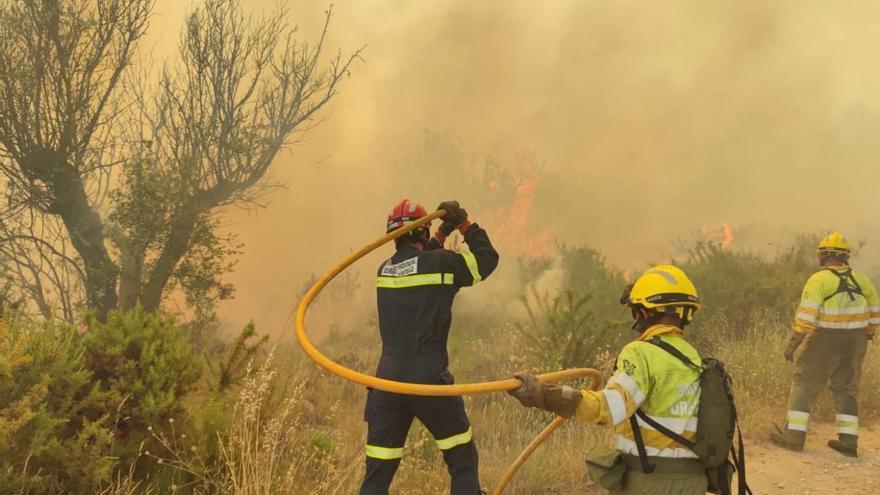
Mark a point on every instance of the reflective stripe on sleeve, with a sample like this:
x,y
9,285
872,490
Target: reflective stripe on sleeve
x,y
798,420
455,440
616,405
384,453
629,385
471,262
419,280
810,318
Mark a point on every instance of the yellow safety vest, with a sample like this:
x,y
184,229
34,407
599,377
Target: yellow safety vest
x,y
650,378
838,298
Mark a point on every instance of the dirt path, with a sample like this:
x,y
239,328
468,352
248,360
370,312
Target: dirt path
x,y
817,470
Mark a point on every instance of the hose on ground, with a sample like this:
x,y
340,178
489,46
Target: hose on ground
x,y
417,388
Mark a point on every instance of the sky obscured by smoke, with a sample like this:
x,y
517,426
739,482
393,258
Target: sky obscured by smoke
x,y
650,119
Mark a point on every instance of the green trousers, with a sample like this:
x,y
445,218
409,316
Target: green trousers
x,y
834,355
638,483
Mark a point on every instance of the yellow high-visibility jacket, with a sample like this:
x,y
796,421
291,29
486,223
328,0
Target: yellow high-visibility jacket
x,y
824,305
654,380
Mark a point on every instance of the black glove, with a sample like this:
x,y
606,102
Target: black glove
x,y
455,214
446,228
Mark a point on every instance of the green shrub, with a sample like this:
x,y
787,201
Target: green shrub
x,y
55,428
734,284
146,364
562,332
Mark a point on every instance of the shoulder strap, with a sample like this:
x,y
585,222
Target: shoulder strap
x,y
664,430
647,468
739,459
845,277
666,346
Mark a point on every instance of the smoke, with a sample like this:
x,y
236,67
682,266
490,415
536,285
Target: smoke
x,y
651,120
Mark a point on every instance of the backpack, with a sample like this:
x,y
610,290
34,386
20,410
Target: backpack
x,y
716,426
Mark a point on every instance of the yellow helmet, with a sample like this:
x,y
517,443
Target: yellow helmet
x,y
834,243
665,288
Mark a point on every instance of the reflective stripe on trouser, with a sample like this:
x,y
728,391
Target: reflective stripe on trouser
x,y
389,417
847,424
455,440
384,453
798,420
827,354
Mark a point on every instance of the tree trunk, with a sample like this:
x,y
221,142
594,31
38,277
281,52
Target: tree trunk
x,y
132,267
68,199
175,247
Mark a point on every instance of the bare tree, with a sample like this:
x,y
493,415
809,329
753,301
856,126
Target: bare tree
x,y
201,138
60,65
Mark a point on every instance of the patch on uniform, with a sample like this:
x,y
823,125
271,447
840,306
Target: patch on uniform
x,y
402,269
628,367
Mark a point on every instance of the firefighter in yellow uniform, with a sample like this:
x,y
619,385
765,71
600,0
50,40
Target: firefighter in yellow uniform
x,y
838,313
647,377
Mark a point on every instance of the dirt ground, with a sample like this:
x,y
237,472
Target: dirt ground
x,y
817,470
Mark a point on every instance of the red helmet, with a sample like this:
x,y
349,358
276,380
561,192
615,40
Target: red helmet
x,y
404,213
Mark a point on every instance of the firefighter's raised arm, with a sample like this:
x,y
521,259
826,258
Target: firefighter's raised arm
x,y
480,260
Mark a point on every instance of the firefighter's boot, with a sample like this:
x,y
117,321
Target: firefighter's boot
x,y
846,445
789,439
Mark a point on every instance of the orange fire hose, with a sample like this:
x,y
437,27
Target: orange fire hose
x,y
418,388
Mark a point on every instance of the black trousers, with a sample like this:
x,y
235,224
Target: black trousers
x,y
389,417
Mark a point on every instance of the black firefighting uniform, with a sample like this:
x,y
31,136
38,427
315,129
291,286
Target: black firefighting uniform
x,y
415,290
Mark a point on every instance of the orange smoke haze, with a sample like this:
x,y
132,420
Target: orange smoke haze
x,y
650,120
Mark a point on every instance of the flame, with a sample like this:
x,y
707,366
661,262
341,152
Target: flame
x,y
720,234
510,219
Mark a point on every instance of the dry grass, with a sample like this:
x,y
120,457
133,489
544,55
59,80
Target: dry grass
x,y
762,378
298,430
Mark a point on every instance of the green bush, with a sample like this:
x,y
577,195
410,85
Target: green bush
x,y
562,332
583,318
734,284
55,426
146,363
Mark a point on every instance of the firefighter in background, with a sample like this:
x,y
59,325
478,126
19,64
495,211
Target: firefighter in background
x,y
838,313
647,377
415,290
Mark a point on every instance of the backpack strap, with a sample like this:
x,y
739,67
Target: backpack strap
x,y
739,460
666,346
846,277
664,430
647,468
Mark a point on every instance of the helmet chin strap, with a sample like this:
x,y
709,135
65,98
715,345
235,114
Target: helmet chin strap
x,y
644,318
641,318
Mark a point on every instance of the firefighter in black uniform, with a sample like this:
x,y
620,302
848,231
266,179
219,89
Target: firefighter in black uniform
x,y
415,289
